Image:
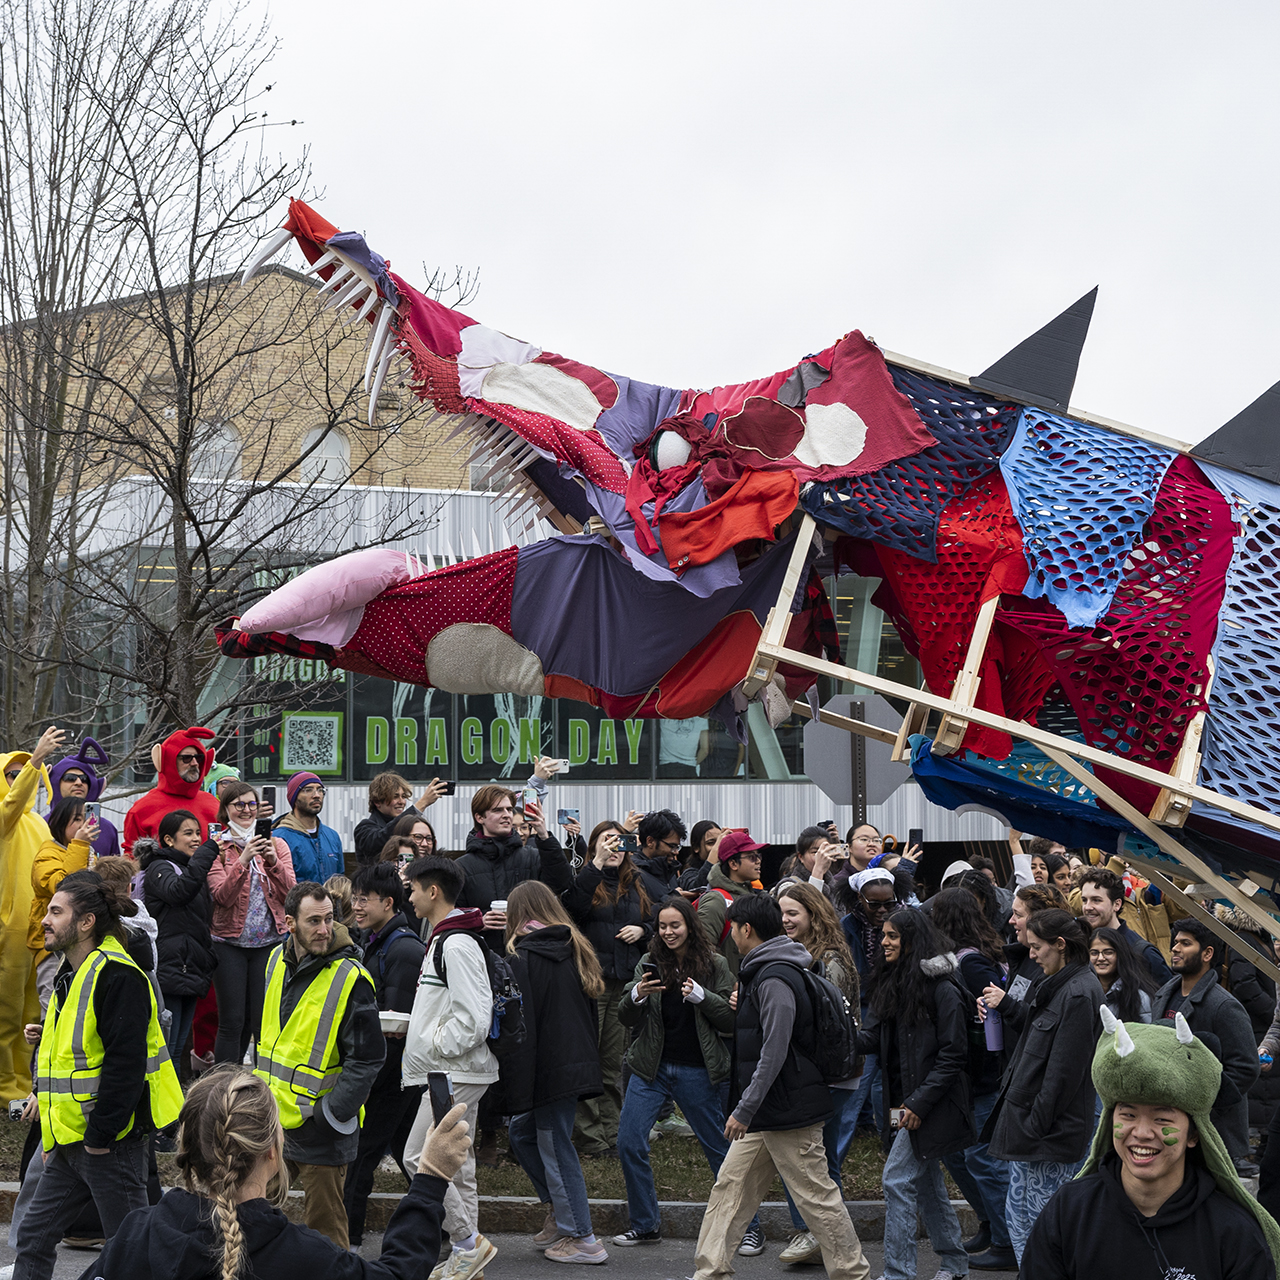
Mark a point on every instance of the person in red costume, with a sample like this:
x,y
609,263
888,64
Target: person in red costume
x,y
181,761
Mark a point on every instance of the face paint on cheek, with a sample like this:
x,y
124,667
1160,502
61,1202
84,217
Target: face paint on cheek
x,y
1172,1136
1118,1130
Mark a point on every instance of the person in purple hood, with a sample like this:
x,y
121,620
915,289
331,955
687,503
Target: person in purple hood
x,y
82,776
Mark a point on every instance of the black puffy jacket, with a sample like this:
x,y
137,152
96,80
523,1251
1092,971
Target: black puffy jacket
x,y
658,875
175,891
560,1057
618,959
494,865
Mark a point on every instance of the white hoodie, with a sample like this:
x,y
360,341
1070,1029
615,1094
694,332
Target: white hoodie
x,y
449,1025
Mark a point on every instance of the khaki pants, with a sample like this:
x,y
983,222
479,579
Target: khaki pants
x,y
462,1199
798,1156
322,1206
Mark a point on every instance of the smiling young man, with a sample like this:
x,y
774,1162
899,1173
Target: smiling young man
x,y
1102,903
1158,1197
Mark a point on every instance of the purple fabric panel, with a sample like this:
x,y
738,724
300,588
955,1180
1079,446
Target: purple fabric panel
x,y
352,243
639,408
703,579
586,613
567,494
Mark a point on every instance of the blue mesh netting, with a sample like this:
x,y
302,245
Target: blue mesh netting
x,y
1027,763
1081,496
1242,742
899,505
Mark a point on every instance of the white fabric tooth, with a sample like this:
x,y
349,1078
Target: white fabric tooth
x,y
324,260
266,253
342,273
348,315
378,379
475,543
376,342
1124,1042
1181,1029
363,313
346,294
1109,1020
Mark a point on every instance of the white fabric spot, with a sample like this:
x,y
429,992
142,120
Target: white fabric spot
x,y
542,388
673,450
833,436
477,657
482,348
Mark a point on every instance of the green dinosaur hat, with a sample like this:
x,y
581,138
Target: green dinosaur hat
x,y
1157,1065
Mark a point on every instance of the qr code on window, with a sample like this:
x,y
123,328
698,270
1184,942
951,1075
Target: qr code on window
x,y
311,741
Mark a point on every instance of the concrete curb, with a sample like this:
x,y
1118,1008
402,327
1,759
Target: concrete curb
x,y
681,1219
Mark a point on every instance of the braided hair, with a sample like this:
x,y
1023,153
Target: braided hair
x,y
227,1124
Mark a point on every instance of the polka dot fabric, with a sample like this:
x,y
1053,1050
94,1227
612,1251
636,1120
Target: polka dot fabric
x,y
899,505
1243,741
399,624
1137,677
1081,496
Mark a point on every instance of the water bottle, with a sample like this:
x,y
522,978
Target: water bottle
x,y
994,1030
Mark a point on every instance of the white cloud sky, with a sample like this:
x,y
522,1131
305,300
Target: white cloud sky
x,y
700,192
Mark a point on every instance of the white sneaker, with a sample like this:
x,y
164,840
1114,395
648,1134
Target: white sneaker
x,y
467,1264
948,1275
803,1248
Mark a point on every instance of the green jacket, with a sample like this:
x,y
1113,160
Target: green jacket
x,y
713,1018
711,909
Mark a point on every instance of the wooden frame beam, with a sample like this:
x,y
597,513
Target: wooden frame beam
x,y
1172,807
775,628
964,691
860,727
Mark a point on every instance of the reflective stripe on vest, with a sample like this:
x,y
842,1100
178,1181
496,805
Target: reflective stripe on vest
x,y
299,1061
69,1071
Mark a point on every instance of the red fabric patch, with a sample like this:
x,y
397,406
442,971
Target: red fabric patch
x,y
1137,678
568,687
602,386
763,427
438,326
400,623
723,400
309,229
583,450
760,501
979,555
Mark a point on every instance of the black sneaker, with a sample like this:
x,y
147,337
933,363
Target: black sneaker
x,y
752,1243
628,1238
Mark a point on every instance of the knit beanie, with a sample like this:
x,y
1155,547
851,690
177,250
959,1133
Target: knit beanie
x,y
296,783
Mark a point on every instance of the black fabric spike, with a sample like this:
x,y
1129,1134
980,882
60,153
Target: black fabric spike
x,y
1250,442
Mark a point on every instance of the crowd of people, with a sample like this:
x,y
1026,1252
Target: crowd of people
x,y
575,992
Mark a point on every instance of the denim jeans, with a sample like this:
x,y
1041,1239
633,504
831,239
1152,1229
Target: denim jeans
x,y
698,1099
542,1140
183,1009
868,1090
115,1182
983,1180
1031,1183
837,1137
910,1183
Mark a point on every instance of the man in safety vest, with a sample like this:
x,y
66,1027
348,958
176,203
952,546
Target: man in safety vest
x,y
104,1081
320,1048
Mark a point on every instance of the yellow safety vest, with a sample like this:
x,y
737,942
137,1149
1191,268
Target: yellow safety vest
x,y
299,1061
69,1066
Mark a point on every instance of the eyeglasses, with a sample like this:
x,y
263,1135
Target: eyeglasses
x,y
75,777
188,757
243,804
669,845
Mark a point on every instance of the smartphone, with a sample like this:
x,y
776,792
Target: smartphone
x,y
440,1090
450,787
91,811
269,796
566,816
629,843
914,837
529,796
895,1117
262,827
215,830
649,968
563,762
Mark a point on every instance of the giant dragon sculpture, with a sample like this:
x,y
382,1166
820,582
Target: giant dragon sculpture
x,y
1044,567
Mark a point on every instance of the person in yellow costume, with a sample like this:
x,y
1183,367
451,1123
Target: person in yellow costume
x,y
104,1082
22,832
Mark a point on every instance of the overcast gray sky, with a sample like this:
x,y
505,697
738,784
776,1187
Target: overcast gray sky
x,y
700,192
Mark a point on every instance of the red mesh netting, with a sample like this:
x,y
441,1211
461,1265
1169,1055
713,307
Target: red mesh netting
x,y
935,608
435,378
1138,676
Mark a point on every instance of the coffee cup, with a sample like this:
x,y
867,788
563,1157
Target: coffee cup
x,y
499,904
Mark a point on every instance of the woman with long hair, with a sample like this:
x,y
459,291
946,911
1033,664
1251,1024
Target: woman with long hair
x,y
556,1067
1023,974
983,1179
704,839
609,904
227,1219
1051,868
809,919
175,889
67,849
249,878
419,830
678,1009
917,1022
1043,1118
1127,985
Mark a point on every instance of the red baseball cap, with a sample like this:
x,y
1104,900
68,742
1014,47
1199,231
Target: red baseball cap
x,y
734,843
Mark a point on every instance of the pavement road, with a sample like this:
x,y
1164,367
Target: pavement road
x,y
669,1260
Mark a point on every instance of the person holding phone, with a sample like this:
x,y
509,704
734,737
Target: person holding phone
x,y
390,799
677,1008
82,776
249,878
609,904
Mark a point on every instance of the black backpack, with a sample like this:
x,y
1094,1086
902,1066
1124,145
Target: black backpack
x,y
507,1031
835,1051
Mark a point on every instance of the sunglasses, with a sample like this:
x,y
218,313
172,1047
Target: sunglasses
x,y
9,777
75,777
